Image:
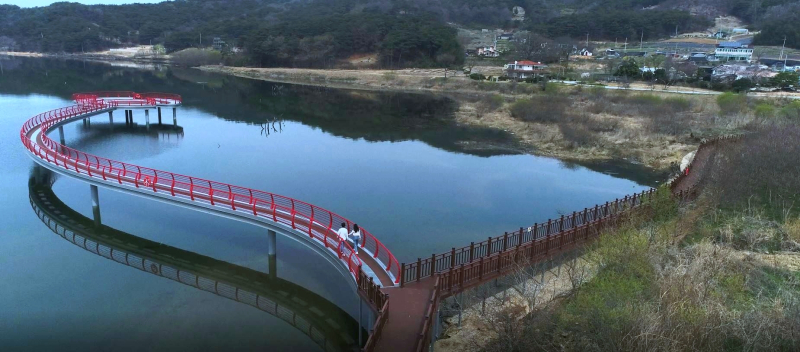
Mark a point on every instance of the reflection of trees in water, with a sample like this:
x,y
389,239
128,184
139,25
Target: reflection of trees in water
x,y
355,114
269,127
368,115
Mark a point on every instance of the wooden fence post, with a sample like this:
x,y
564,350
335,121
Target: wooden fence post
x,y
419,268
453,258
471,251
433,264
505,241
402,274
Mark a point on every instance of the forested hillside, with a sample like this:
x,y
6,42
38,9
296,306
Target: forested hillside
x,y
319,33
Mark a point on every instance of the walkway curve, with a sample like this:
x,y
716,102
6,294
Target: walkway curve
x,y
325,323
287,215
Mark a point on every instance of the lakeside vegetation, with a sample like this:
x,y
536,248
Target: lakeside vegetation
x,y
721,273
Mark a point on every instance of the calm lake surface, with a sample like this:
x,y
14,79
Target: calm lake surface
x,y
395,163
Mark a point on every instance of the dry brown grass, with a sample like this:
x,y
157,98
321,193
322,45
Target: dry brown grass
x,y
650,294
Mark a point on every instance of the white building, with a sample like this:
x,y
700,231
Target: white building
x,y
733,51
524,69
488,51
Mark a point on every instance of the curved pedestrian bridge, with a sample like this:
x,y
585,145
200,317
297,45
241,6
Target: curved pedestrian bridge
x,y
322,321
314,227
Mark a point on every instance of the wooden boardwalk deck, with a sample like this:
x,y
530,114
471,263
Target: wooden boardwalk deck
x,y
407,311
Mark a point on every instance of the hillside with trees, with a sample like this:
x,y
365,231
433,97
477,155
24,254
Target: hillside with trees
x,y
321,33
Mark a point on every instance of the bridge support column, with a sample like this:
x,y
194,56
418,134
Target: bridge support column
x,y
174,116
61,135
111,117
273,253
95,205
159,115
360,316
147,119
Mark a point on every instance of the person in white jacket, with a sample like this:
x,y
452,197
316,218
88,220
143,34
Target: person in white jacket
x,y
342,232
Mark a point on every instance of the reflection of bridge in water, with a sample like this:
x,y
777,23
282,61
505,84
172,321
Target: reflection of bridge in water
x,y
160,131
325,323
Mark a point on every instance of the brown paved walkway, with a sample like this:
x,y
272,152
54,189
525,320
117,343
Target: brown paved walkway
x,y
703,160
406,310
383,277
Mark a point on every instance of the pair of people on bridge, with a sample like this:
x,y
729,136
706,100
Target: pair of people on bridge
x,y
344,235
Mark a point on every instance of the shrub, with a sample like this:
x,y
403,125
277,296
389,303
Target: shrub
x,y
597,92
488,104
389,76
196,57
678,104
645,99
742,85
792,110
577,134
551,88
760,168
730,103
540,109
477,76
764,111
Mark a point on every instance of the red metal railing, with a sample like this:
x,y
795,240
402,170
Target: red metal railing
x,y
318,223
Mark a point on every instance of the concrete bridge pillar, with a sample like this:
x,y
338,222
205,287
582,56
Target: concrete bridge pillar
x,y
159,115
174,116
61,135
111,117
95,205
360,316
147,119
273,256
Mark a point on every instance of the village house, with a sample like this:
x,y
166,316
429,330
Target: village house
x,y
585,52
487,51
738,71
700,57
733,51
524,69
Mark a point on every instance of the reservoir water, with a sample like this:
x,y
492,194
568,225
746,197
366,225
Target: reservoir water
x,y
397,164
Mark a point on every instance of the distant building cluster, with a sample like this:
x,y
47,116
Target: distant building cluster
x,y
502,43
